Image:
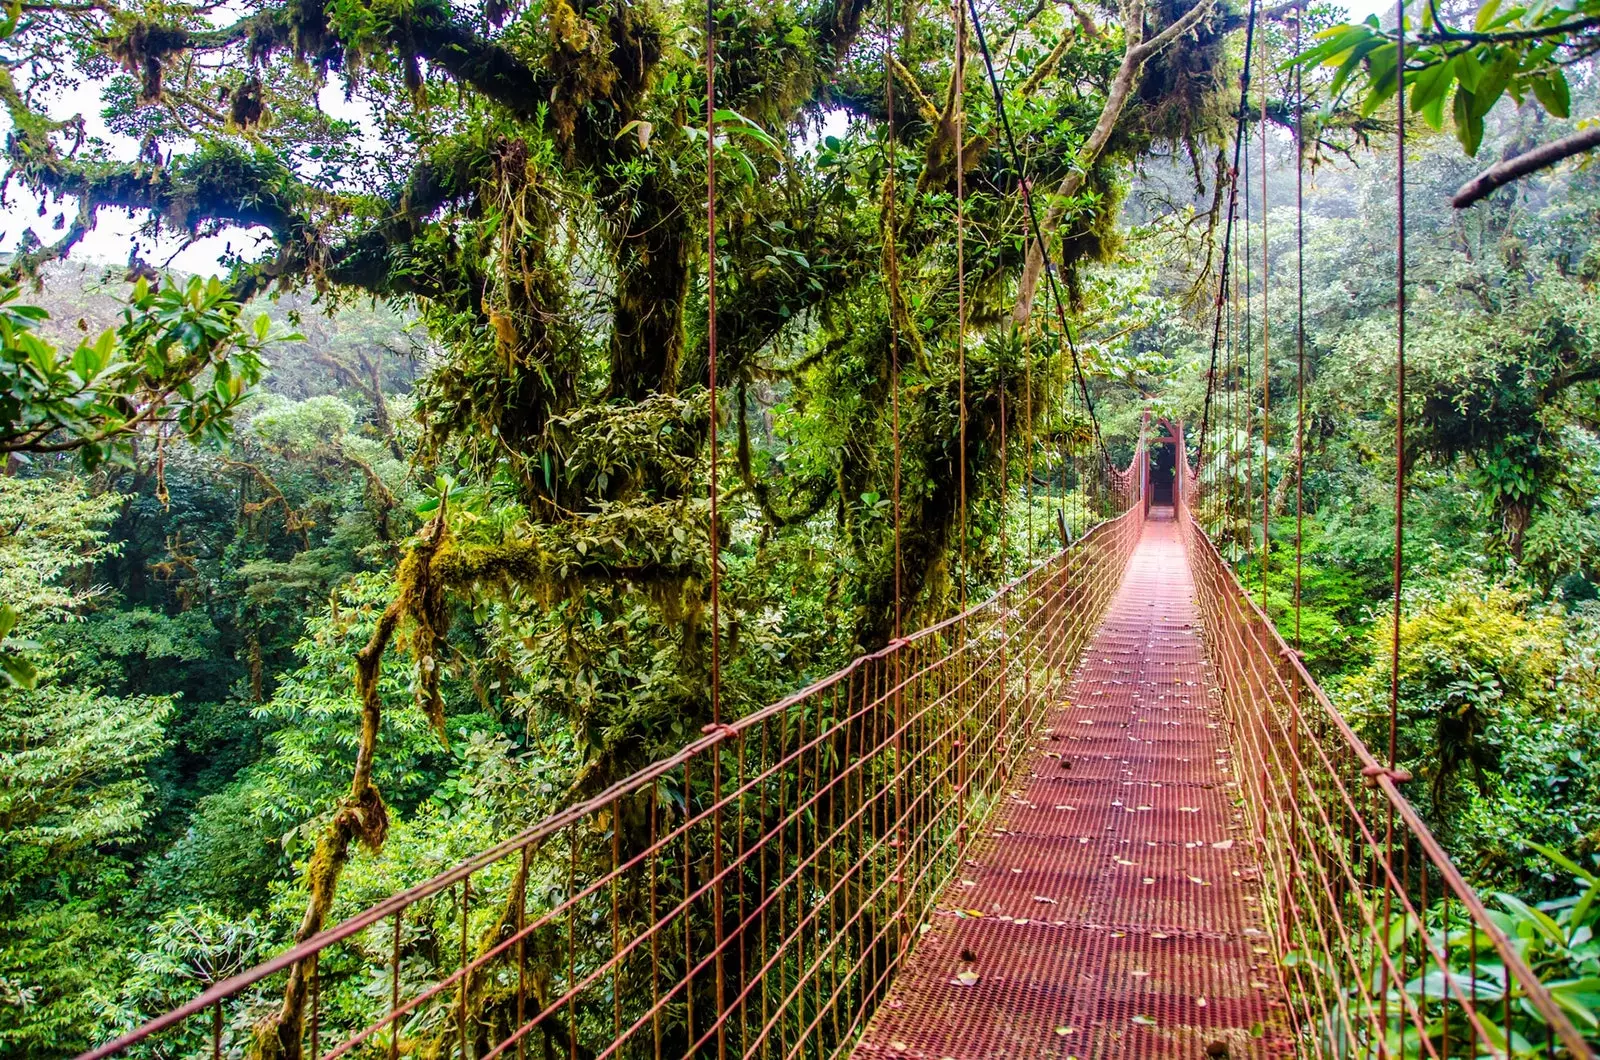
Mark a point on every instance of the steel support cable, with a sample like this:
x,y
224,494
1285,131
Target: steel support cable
x,y
1299,511
1247,396
1266,357
1227,236
715,537
960,76
1400,374
1300,321
711,341
890,230
1027,416
1033,225
1230,465
1399,453
890,227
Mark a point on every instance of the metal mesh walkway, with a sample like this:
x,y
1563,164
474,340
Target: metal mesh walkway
x,y
1113,907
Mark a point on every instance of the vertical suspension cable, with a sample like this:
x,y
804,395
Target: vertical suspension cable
x,y
1069,458
891,223
1300,320
961,280
1240,339
1005,486
1227,237
715,533
1064,426
1247,394
960,75
711,345
1036,232
1400,375
891,233
1399,477
1027,412
1266,358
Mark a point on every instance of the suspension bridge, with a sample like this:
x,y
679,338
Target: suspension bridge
x,y
1105,812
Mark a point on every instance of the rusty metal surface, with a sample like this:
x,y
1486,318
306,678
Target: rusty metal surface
x,y
1112,908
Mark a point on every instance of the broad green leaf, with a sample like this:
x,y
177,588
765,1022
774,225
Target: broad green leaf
x,y
1380,77
1553,92
18,671
1428,90
85,365
1469,121
1580,997
1539,919
1351,63
1580,912
1562,860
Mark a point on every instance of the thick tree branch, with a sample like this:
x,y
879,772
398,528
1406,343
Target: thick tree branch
x,y
1090,30
925,108
1562,29
1137,52
1048,66
1518,166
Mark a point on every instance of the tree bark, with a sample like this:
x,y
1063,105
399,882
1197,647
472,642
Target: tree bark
x,y
1518,166
1137,52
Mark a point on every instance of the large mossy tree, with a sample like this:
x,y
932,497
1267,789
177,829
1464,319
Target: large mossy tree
x,y
530,178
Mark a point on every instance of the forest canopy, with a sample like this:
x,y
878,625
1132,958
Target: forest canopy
x,y
327,572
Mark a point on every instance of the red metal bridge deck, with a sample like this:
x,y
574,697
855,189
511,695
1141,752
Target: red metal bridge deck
x,y
1113,907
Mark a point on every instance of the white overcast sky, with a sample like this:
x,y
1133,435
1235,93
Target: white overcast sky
x,y
112,238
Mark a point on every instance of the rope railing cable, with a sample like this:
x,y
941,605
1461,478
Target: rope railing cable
x,y
1033,225
1227,234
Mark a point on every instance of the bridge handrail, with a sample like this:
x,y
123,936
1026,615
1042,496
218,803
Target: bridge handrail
x,y
1382,779
1129,492
567,815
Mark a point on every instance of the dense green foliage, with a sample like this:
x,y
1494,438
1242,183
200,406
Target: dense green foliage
x,y
1462,66
1501,545
279,650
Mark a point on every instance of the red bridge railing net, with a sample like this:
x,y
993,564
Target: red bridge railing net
x,y
749,896
1384,949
